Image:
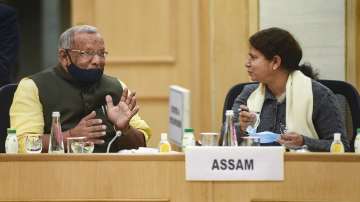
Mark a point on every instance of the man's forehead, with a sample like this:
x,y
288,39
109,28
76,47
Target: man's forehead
x,y
85,40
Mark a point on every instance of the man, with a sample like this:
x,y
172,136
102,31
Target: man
x,y
9,42
91,104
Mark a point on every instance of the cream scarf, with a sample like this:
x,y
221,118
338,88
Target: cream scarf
x,y
299,104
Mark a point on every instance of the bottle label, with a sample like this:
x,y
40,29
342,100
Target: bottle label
x,y
164,147
56,144
337,148
357,144
188,140
11,144
58,134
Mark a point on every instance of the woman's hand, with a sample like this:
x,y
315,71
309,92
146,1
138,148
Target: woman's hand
x,y
246,118
291,139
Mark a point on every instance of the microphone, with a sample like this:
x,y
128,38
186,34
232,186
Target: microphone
x,y
117,134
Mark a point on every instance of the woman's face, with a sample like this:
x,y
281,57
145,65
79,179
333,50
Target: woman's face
x,y
258,67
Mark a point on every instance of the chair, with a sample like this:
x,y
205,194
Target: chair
x,y
349,100
6,97
231,96
346,94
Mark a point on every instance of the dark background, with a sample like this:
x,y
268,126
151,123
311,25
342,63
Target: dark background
x,y
40,24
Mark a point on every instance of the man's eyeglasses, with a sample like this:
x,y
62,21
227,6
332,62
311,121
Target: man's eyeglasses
x,y
90,54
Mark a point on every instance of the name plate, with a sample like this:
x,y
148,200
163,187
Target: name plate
x,y
234,163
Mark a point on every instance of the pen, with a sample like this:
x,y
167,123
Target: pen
x,y
243,109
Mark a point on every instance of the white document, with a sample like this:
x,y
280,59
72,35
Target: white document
x,y
179,113
234,163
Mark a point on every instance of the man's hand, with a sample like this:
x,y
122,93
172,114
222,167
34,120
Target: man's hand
x,y
89,127
246,118
291,139
121,113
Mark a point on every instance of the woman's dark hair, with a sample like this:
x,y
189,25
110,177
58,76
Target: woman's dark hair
x,y
275,41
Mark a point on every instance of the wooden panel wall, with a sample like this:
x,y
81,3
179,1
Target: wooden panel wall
x,y
357,42
152,44
199,44
156,43
353,43
229,38
147,51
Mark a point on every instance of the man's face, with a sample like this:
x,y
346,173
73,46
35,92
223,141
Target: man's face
x,y
88,51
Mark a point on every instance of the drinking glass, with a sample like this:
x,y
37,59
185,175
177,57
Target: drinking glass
x,y
209,139
283,129
250,141
251,129
88,147
33,143
290,148
75,144
79,145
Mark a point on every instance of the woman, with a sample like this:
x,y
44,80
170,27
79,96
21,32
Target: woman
x,y
287,96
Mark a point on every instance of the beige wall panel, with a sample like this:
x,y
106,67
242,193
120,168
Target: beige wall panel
x,y
147,81
82,12
358,45
138,29
152,44
201,45
351,45
230,21
253,16
206,109
155,112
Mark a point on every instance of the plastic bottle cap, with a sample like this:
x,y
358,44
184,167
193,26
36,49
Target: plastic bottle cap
x,y
163,136
188,130
229,112
337,136
11,130
56,114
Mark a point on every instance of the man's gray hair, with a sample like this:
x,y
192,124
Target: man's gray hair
x,y
66,39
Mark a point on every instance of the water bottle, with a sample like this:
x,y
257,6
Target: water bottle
x,y
229,137
11,143
164,145
188,138
337,146
56,143
357,141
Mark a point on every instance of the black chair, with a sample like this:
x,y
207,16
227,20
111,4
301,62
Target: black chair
x,y
347,95
231,96
6,97
349,100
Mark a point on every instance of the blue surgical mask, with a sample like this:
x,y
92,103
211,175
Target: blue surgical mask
x,y
85,76
267,137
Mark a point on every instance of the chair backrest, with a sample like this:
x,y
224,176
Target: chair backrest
x,y
347,95
231,96
349,101
6,97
